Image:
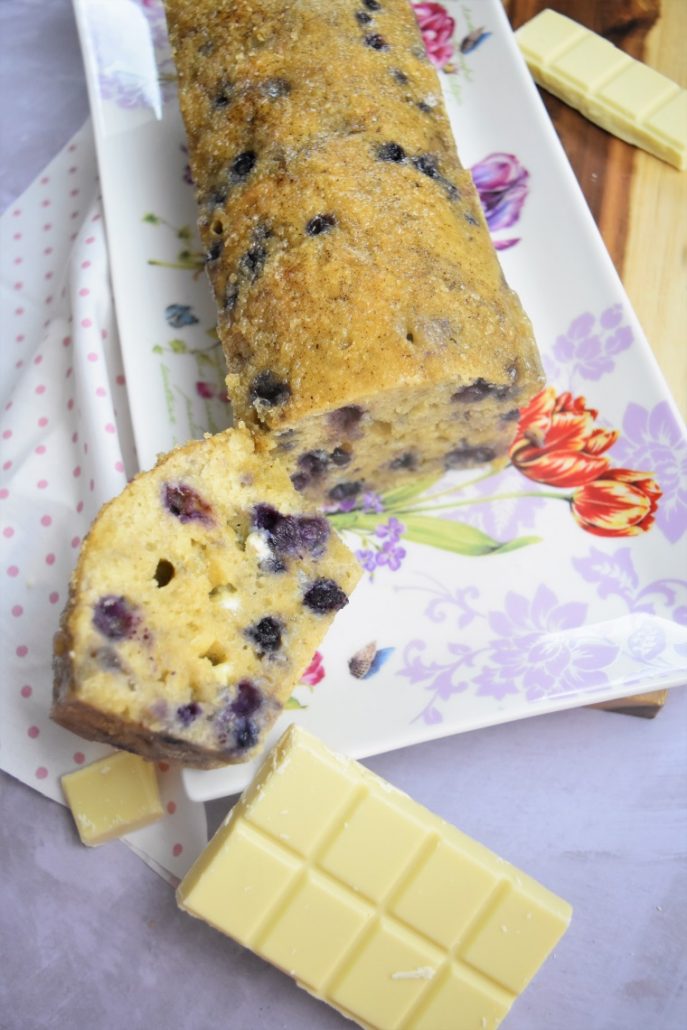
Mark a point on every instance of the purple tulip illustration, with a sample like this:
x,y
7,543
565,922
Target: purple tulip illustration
x,y
502,184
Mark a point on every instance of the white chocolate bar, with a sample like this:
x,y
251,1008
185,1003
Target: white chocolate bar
x,y
608,86
370,901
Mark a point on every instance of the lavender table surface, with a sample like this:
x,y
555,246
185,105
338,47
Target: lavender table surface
x,y
592,803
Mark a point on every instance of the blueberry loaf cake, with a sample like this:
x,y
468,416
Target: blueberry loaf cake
x,y
199,597
365,319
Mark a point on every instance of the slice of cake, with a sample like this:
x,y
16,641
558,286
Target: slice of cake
x,y
199,597
364,316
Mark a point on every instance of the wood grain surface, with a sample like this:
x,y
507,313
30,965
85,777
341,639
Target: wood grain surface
x,y
639,203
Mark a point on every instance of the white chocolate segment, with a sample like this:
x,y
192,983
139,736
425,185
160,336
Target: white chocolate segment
x,y
617,92
368,900
113,797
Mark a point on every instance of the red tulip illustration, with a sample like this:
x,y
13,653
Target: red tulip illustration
x,y
557,442
621,502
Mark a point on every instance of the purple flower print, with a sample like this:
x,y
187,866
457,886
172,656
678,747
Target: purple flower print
x,y
588,349
368,559
501,182
123,75
389,554
372,503
541,648
653,441
539,651
612,573
390,531
646,642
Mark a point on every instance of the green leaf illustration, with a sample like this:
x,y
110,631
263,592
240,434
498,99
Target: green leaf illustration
x,y
178,346
184,233
367,521
395,499
151,219
157,349
517,543
293,702
456,537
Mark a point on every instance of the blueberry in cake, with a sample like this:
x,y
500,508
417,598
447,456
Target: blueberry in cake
x,y
199,597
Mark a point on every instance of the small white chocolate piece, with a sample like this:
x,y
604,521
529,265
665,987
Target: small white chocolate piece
x,y
371,902
113,797
609,87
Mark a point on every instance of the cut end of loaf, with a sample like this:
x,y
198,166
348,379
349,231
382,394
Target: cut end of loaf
x,y
200,595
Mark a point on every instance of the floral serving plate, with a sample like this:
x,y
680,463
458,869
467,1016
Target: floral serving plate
x,y
553,582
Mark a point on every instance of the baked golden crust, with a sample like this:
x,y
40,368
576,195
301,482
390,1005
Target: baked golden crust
x,y
346,246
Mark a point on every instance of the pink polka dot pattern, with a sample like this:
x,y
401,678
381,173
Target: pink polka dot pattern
x,y
64,357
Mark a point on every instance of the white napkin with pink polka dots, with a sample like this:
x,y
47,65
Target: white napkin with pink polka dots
x,y
66,447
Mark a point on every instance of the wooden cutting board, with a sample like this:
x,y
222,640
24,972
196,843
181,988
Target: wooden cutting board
x,y
639,203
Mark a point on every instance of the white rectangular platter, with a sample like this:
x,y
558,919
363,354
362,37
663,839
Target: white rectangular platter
x,y
492,596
